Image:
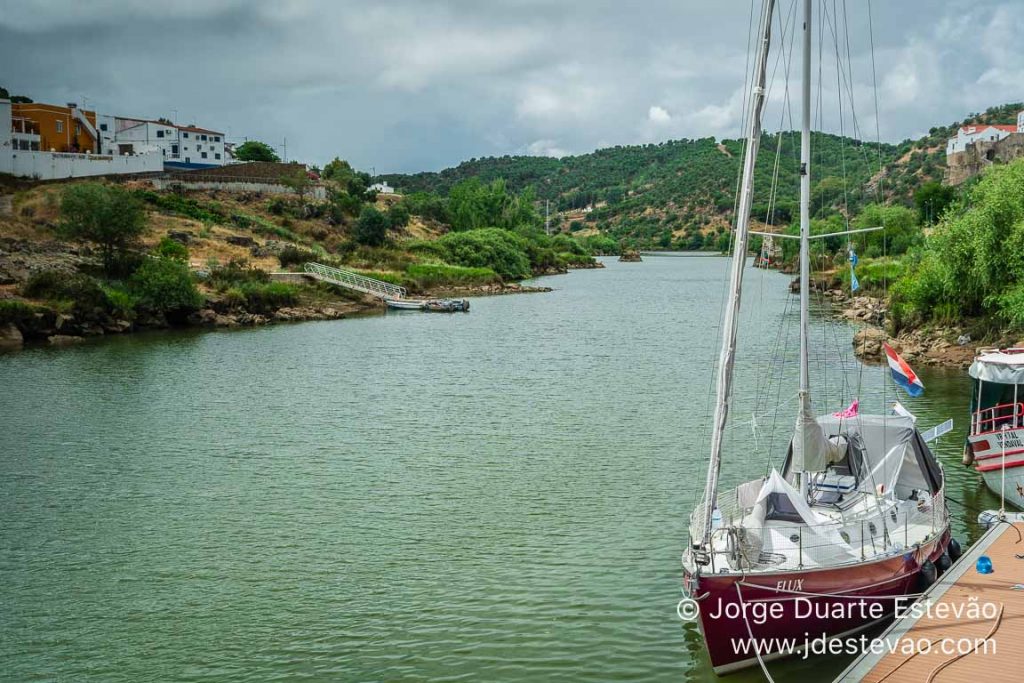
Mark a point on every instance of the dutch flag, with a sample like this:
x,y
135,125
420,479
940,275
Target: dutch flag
x,y
902,373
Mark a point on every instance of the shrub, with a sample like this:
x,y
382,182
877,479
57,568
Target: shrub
x,y
235,271
83,292
120,303
168,248
426,275
108,216
398,216
267,297
164,286
294,256
372,227
14,311
180,205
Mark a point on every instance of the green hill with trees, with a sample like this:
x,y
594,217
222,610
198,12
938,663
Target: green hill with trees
x,y
680,193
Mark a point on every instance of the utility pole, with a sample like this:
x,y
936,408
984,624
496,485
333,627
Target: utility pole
x,y
284,150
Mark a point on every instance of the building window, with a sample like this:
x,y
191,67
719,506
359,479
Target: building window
x,y
203,138
174,150
159,133
103,126
188,160
216,138
184,135
216,156
60,126
204,155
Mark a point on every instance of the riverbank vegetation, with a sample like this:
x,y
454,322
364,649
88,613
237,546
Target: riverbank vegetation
x,y
81,258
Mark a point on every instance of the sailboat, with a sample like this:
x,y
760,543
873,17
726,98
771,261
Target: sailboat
x,y
855,518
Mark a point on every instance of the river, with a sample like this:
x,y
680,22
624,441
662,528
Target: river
x,y
500,495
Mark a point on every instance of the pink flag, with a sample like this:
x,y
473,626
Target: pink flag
x,y
849,412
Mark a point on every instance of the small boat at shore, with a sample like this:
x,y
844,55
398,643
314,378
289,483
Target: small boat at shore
x,y
995,445
430,305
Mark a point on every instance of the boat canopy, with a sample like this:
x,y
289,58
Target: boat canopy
x,y
999,367
886,451
882,452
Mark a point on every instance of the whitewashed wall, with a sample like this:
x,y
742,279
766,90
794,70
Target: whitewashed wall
x,y
54,165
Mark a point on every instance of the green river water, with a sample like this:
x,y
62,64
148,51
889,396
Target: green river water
x,y
493,496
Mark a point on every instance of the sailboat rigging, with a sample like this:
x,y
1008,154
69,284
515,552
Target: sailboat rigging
x,y
856,516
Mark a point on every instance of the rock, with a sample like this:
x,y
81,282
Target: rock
x,y
117,326
963,340
630,256
867,343
182,236
65,340
225,321
10,337
240,240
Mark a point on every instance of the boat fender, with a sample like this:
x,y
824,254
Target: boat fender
x,y
927,576
968,454
954,550
944,562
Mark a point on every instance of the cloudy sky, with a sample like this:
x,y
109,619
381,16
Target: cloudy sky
x,y
407,85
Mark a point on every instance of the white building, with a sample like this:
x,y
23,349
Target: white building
x,y
182,147
382,188
988,132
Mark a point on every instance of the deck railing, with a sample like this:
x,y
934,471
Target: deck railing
x,y
355,281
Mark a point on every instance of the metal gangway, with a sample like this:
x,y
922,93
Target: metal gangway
x,y
352,280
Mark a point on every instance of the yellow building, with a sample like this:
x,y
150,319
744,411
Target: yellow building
x,y
60,129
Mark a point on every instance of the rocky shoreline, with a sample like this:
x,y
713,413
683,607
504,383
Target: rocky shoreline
x,y
945,346
47,326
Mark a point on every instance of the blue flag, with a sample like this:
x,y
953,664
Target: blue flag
x,y
854,284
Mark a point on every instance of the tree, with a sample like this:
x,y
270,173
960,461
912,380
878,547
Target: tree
x,y
109,216
931,200
254,150
298,181
372,227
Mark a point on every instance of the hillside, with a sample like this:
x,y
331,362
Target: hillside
x,y
677,193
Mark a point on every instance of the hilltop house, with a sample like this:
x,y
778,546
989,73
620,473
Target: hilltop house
x,y
979,145
48,141
182,147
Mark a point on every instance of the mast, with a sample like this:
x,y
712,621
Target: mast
x,y
727,356
805,211
803,439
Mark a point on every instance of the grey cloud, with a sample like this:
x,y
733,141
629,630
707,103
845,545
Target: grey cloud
x,y
405,85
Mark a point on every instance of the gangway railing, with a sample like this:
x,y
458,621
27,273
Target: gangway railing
x,y
354,281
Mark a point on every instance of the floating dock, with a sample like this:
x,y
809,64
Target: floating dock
x,y
968,627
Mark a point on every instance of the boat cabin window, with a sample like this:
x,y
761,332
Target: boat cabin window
x,y
781,509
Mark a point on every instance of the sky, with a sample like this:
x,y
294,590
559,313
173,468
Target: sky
x,y
412,85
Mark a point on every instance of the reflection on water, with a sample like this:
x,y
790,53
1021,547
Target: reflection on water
x,y
494,496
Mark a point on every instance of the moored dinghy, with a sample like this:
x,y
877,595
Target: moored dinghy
x,y
431,305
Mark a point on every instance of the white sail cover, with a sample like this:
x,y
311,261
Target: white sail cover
x,y
818,539
999,367
812,451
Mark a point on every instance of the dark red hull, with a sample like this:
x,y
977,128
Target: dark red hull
x,y
790,614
